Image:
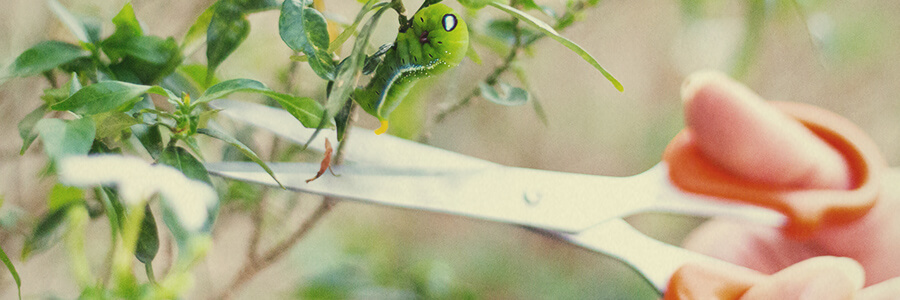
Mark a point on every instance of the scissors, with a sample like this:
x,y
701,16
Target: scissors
x,y
585,210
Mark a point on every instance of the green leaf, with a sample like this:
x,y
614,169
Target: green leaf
x,y
227,30
336,283
147,59
150,137
44,56
252,6
349,71
349,31
228,27
304,29
474,4
52,96
151,49
191,142
148,239
301,30
126,22
305,110
44,233
228,87
106,96
112,124
127,28
342,119
138,58
113,209
62,195
55,95
240,146
546,29
194,36
64,138
196,74
78,27
508,95
529,4
12,271
506,30
26,127
181,159
300,58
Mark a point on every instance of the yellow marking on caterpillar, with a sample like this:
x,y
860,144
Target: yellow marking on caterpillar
x,y
383,128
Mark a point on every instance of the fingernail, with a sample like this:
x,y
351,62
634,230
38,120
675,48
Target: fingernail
x,y
696,81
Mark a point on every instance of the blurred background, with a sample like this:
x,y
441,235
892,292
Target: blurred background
x,y
841,55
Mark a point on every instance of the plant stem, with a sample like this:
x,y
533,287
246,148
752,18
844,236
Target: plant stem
x,y
255,262
51,79
74,237
259,212
114,228
490,79
172,141
148,267
755,23
253,267
124,253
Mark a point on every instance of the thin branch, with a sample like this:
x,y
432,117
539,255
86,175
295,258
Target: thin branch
x,y
148,268
518,44
814,42
258,214
257,218
490,79
252,267
51,78
279,250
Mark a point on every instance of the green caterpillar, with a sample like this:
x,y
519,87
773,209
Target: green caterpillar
x,y
436,40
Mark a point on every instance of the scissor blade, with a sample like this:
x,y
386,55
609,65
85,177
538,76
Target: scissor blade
x,y
365,147
655,260
543,199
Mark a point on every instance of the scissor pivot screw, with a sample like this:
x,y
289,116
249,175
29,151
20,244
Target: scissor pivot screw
x,y
533,197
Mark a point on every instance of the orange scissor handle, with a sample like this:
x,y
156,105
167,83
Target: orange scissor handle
x,y
702,281
807,209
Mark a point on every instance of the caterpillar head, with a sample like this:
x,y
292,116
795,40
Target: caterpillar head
x,y
439,29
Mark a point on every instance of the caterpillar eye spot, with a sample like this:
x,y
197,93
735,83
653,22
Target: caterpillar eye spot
x,y
449,21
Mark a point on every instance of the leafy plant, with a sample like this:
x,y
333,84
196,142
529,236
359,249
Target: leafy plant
x,y
134,109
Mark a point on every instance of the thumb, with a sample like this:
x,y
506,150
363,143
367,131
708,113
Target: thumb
x,y
824,277
738,131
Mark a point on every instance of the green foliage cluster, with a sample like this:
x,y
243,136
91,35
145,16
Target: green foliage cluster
x,y
133,94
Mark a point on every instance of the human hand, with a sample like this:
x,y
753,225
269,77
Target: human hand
x,y
749,138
